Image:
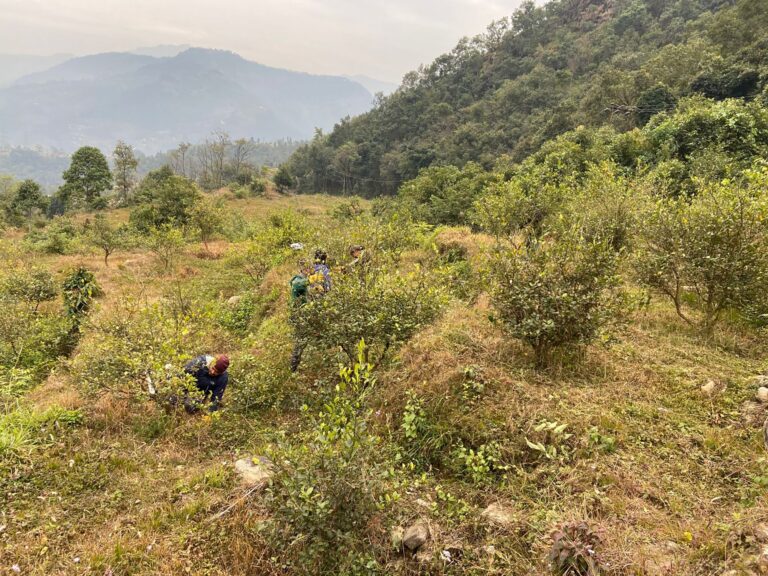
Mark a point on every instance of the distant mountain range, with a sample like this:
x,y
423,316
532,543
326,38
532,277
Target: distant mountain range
x,y
14,66
156,97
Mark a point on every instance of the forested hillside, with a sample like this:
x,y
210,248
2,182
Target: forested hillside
x,y
546,71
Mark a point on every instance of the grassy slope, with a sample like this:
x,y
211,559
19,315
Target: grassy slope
x,y
133,491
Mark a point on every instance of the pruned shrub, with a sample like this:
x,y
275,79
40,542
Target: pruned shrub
x,y
137,343
331,482
374,303
708,254
554,294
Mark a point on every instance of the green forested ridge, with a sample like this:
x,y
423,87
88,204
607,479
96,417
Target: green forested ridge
x,y
544,72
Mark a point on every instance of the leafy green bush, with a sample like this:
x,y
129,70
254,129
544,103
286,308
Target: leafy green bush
x,y
349,210
374,303
79,289
164,198
136,340
260,383
330,482
444,194
206,218
107,237
58,237
166,243
32,335
708,254
554,294
479,465
604,209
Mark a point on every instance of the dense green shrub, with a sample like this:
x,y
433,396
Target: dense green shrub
x,y
444,194
32,334
164,198
604,209
708,254
371,302
330,483
58,237
554,294
136,340
79,289
206,217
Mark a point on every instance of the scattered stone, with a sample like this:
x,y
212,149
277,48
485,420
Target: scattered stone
x,y
762,561
415,537
424,503
489,550
452,552
500,515
660,559
424,555
761,381
234,301
396,537
254,471
761,533
709,388
762,394
753,413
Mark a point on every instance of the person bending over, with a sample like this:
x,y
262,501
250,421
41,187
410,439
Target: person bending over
x,y
211,378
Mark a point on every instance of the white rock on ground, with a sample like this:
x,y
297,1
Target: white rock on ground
x,y
762,394
234,300
254,471
709,388
416,535
761,533
761,380
499,514
762,561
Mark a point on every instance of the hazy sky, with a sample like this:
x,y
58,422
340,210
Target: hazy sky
x,y
381,38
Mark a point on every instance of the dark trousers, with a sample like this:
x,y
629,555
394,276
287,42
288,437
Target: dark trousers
x,y
213,388
298,350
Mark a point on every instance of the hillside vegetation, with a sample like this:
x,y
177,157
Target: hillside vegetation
x,y
544,72
550,358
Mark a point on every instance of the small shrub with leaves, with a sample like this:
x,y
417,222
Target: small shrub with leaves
x,y
382,307
79,290
166,243
58,237
555,294
574,550
332,482
707,254
479,465
136,341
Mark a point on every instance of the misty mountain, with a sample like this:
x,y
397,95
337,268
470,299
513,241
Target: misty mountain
x,y
161,51
154,103
14,66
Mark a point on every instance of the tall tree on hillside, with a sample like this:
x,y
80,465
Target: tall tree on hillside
x,y
27,199
242,150
343,164
213,156
182,162
86,178
125,170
